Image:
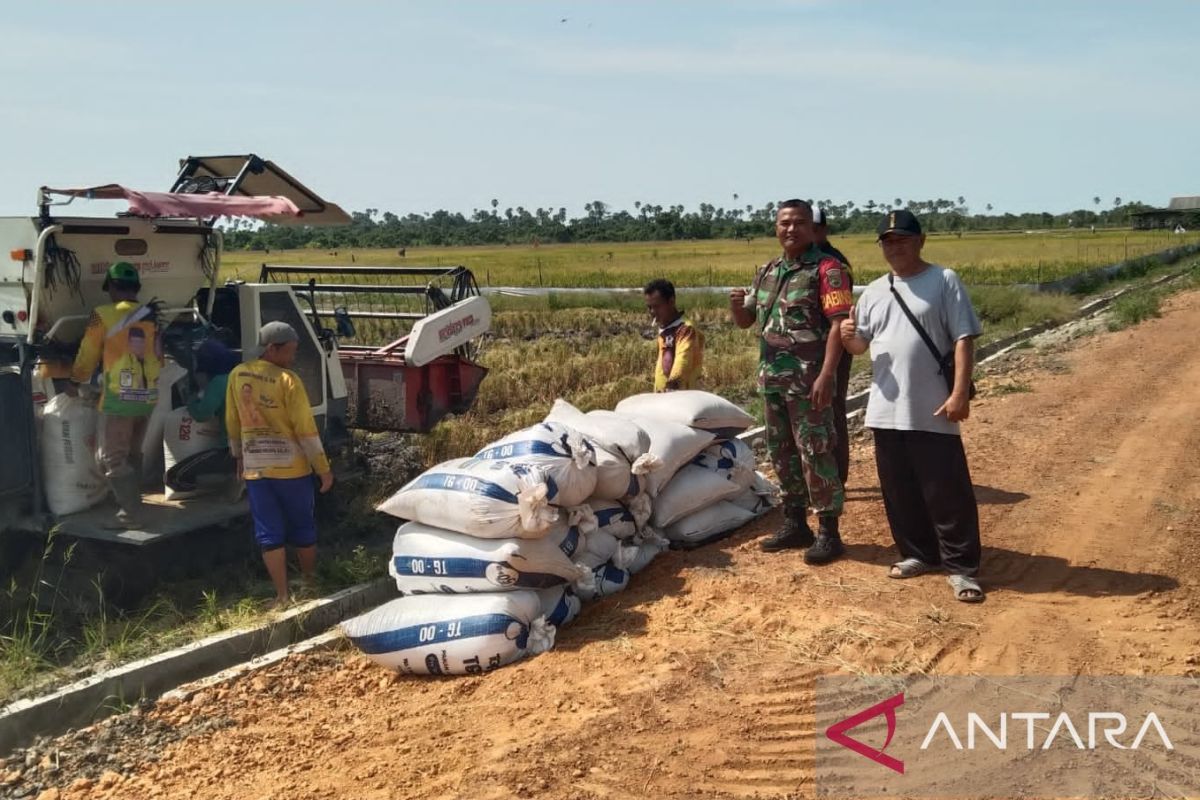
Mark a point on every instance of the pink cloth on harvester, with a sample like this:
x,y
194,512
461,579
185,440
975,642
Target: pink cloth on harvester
x,y
168,204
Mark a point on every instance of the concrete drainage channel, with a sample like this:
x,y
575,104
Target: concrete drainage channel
x,y
305,627
98,696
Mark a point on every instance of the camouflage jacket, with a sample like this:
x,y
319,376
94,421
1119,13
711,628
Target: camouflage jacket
x,y
793,329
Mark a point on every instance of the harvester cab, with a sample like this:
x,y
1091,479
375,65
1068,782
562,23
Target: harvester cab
x,y
381,348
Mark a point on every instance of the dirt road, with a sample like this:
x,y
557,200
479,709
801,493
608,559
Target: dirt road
x,y
697,681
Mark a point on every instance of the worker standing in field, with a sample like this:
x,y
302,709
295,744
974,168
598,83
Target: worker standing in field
x,y
121,339
795,302
680,342
276,446
920,326
821,230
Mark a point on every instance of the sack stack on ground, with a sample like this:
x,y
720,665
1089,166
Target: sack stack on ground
x,y
707,486
498,549
480,541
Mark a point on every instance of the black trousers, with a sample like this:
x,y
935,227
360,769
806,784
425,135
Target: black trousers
x,y
215,465
842,454
929,499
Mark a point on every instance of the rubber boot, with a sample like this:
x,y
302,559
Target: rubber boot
x,y
828,545
127,490
795,533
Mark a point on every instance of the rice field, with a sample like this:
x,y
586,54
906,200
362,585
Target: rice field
x,y
594,348
595,356
980,258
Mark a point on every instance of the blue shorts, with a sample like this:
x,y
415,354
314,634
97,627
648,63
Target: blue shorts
x,y
283,511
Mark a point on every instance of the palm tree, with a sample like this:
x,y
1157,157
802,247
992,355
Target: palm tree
x,y
897,203
1096,199
1116,202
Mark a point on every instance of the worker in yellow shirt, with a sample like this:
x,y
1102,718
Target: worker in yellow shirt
x,y
680,342
122,340
275,442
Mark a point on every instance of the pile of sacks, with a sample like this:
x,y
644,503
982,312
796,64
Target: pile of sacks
x,y
501,548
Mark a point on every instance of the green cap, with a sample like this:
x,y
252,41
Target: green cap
x,y
124,272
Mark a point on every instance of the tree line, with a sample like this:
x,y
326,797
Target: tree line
x,y
646,222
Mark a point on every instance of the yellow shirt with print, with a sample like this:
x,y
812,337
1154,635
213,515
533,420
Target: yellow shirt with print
x,y
122,340
270,423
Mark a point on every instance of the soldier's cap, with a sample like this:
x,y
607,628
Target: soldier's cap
x,y
899,221
276,333
122,272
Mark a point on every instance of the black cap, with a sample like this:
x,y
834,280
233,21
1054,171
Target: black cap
x,y
899,221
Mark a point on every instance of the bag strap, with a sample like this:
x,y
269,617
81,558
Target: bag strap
x,y
132,318
937,355
770,300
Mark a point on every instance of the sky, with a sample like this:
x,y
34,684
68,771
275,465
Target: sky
x,y
414,106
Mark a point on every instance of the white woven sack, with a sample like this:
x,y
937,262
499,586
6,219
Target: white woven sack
x,y
760,497
617,479
718,518
428,560
645,548
489,499
616,519
691,407
733,458
604,580
560,605
71,476
184,437
675,445
463,634
605,429
152,443
598,548
566,458
692,489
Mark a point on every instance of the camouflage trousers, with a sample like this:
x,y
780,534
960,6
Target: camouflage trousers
x,y
802,444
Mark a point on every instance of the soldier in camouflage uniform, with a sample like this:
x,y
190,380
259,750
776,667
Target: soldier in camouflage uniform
x,y
795,302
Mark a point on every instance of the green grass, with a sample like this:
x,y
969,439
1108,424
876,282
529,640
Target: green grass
x,y
1135,307
43,645
1010,257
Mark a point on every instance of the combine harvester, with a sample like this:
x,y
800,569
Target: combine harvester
x,y
382,349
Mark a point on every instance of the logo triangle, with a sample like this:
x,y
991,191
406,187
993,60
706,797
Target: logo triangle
x,y
837,732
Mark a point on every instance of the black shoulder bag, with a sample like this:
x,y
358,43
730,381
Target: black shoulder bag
x,y
945,362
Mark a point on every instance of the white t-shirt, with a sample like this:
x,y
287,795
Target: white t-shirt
x,y
906,387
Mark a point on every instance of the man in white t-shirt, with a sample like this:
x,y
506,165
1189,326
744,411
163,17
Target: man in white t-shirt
x,y
913,412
